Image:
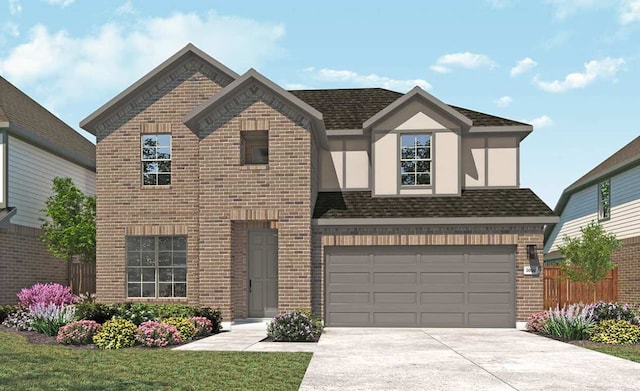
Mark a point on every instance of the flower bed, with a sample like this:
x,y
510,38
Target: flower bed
x,y
603,323
60,317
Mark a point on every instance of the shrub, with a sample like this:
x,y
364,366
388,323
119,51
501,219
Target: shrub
x,y
6,310
156,334
48,318
46,294
618,332
116,334
295,326
20,320
215,316
203,325
572,323
78,333
186,329
99,313
537,321
606,311
163,311
137,313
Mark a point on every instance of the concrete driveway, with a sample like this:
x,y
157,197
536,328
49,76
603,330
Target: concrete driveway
x,y
460,359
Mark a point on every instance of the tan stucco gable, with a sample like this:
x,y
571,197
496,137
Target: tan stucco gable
x,y
419,94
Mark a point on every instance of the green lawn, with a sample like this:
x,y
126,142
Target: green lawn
x,y
24,366
627,352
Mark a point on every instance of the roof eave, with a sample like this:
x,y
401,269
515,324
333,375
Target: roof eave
x,y
436,220
417,91
89,122
577,186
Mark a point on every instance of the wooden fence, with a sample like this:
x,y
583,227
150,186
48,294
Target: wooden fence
x,y
558,291
88,282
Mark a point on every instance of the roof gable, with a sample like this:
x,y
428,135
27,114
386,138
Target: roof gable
x,y
418,93
204,118
625,158
153,81
26,118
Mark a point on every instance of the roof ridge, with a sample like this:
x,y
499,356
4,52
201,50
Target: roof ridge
x,y
347,89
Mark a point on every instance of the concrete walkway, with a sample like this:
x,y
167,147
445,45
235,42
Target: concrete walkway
x,y
246,338
460,359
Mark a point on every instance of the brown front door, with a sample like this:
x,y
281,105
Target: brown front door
x,y
263,273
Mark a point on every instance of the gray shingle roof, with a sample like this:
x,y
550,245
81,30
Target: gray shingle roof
x,y
350,108
19,109
472,203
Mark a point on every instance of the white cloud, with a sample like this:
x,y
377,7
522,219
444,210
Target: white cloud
x,y
295,86
371,80
630,11
564,8
61,67
440,68
523,66
606,68
504,101
466,60
126,8
15,7
61,3
543,121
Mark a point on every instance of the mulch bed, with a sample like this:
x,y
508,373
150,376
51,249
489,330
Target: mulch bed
x,y
36,338
582,343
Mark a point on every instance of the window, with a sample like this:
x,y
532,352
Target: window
x,y
156,266
156,159
604,200
415,159
255,146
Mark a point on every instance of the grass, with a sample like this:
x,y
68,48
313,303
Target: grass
x,y
24,366
627,352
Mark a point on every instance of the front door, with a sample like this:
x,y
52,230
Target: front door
x,y
263,273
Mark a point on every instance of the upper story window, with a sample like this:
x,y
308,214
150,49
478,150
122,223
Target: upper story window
x,y
254,146
604,200
156,159
415,159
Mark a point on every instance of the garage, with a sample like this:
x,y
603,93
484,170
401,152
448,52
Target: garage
x,y
420,286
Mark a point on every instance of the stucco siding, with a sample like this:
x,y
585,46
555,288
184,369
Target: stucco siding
x,y
502,161
31,173
346,165
386,163
473,161
582,208
446,174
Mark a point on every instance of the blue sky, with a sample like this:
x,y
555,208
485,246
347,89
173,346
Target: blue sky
x,y
569,67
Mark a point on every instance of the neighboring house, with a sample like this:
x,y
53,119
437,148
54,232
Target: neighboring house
x,y
608,194
35,147
371,207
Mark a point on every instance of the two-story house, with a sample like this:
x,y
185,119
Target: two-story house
x,y
371,207
610,195
35,147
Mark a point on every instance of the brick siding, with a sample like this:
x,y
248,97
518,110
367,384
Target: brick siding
x,y
628,260
26,261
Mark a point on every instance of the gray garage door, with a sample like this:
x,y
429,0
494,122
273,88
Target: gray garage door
x,y
415,286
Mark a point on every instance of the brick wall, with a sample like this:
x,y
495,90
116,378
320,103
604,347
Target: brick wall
x,y
628,260
528,288
123,203
281,189
25,261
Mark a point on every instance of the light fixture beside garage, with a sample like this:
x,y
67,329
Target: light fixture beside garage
x,y
534,265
